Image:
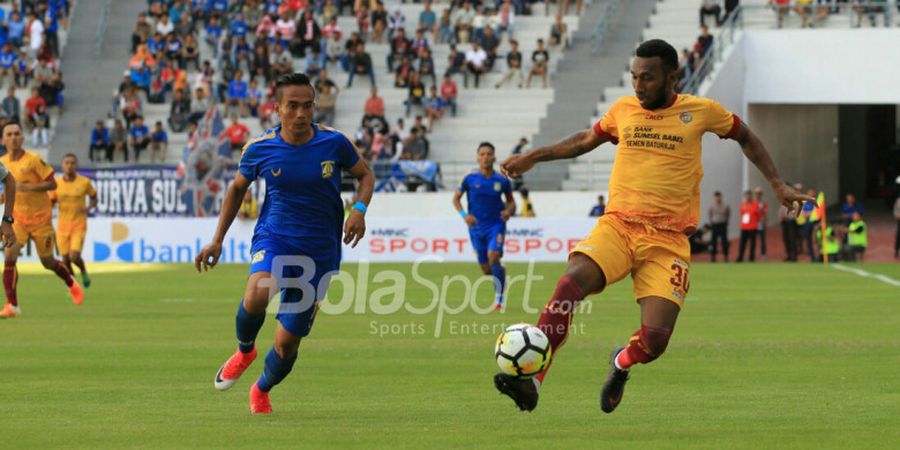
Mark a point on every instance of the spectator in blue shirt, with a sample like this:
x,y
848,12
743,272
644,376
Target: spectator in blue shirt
x,y
100,142
213,34
236,95
175,11
156,44
315,62
11,106
8,60
159,141
15,29
140,137
434,107
599,209
850,206
51,36
238,26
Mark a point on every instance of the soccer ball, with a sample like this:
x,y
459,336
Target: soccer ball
x,y
522,350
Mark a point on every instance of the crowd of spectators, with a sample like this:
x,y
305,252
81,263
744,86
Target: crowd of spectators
x,y
29,62
190,54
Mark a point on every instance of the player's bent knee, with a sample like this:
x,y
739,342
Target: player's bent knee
x,y
655,340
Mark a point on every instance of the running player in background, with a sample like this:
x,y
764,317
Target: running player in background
x,y
485,191
654,204
297,238
71,222
32,217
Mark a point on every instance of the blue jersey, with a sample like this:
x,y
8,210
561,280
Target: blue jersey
x,y
303,186
485,197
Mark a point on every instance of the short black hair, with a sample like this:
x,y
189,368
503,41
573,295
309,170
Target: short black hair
x,y
488,145
12,122
291,79
70,155
661,49
717,194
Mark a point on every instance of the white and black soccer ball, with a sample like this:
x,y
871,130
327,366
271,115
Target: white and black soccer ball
x,y
522,350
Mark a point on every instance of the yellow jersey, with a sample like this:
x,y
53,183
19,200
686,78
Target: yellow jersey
x,y
71,197
657,171
31,207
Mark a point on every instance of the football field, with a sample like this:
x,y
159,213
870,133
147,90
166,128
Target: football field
x,y
764,356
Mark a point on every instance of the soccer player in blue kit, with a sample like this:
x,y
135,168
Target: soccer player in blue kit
x,y
296,245
485,191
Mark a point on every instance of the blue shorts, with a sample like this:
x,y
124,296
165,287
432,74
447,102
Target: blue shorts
x,y
489,238
303,275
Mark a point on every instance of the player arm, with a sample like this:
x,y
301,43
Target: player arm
x,y
365,179
457,201
756,152
49,184
510,209
570,147
230,206
9,194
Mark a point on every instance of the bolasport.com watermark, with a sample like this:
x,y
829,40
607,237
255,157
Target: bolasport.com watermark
x,y
440,305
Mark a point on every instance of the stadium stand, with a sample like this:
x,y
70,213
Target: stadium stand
x,y
30,60
502,114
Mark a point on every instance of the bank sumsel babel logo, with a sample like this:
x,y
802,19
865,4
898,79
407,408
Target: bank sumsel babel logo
x,y
124,249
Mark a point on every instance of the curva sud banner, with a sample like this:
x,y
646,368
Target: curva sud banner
x,y
178,240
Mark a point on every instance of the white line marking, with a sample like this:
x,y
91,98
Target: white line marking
x,y
863,273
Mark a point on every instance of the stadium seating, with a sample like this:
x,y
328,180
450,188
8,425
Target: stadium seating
x,y
498,115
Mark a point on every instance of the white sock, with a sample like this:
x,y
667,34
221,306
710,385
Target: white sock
x,y
616,361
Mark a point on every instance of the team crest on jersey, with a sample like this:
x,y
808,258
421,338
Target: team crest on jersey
x,y
626,134
686,117
497,186
327,169
258,256
275,172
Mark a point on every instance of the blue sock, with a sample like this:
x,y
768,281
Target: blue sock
x,y
499,274
275,370
248,326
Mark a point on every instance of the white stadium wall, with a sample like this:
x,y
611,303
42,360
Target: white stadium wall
x,y
786,85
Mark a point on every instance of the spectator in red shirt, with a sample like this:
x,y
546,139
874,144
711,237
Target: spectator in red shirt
x,y
31,106
749,224
448,93
237,134
374,105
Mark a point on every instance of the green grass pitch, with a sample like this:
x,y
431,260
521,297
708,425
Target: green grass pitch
x,y
764,356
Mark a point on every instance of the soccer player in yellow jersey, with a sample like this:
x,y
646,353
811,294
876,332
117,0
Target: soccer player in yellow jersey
x,y
71,222
32,216
654,205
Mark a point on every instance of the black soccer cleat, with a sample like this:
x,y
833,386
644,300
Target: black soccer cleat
x,y
520,390
614,386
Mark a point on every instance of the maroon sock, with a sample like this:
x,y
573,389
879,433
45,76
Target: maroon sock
x,y
645,345
557,315
61,271
10,278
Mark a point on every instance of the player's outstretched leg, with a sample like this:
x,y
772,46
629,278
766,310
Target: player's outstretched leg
x,y
75,258
247,326
279,363
10,278
251,314
499,273
56,266
658,316
582,275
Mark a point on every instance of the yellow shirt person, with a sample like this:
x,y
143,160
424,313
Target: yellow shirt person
x,y
71,194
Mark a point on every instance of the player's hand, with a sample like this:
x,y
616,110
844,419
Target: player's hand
x,y
471,220
208,257
354,228
7,235
791,198
505,215
516,165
